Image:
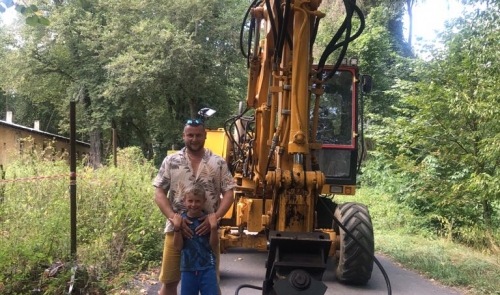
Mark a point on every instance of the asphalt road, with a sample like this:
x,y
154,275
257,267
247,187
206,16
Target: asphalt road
x,y
243,266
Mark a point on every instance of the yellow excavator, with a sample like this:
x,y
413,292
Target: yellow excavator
x,y
293,146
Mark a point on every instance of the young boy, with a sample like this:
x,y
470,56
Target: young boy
x,y
198,274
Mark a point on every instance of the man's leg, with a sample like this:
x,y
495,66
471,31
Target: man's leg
x,y
169,289
170,274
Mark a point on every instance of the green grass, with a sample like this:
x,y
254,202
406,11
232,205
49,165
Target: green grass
x,y
397,235
446,262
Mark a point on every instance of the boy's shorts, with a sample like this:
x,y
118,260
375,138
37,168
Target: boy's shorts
x,y
171,262
200,281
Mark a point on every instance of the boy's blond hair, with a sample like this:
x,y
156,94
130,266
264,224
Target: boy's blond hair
x,y
196,189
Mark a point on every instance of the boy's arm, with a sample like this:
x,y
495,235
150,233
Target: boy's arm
x,y
214,234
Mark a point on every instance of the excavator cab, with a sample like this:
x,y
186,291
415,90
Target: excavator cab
x,y
337,127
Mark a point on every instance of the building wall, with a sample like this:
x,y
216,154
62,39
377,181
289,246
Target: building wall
x,y
15,139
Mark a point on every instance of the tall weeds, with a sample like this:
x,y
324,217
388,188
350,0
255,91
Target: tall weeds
x,y
119,228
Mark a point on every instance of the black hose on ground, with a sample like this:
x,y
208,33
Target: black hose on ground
x,y
246,286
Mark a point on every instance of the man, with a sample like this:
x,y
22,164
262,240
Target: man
x,y
192,164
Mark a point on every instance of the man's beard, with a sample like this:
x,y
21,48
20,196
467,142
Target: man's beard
x,y
190,148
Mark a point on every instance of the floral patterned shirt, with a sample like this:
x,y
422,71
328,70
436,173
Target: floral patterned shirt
x,y
176,173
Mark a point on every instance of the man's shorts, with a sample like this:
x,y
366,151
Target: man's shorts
x,y
171,261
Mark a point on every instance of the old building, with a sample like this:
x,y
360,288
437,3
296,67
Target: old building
x,y
15,139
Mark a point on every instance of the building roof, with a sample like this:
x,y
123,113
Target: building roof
x,y
33,130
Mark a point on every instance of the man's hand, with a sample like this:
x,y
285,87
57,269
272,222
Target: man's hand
x,y
176,221
204,227
182,225
186,231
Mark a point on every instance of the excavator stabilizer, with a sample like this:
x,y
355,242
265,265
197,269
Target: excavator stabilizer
x,y
296,263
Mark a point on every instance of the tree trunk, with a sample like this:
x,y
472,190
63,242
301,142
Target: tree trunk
x,y
95,148
95,133
487,214
409,8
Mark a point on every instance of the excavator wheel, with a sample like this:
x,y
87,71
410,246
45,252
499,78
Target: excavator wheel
x,y
353,264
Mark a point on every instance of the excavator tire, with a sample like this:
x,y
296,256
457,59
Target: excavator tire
x,y
353,264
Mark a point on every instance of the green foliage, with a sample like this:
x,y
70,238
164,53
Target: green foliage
x,y
439,153
33,15
119,228
379,57
143,66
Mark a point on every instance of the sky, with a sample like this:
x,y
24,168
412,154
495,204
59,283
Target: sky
x,y
430,16
8,15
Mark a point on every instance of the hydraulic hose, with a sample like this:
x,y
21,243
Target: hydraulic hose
x,y
250,31
346,27
362,131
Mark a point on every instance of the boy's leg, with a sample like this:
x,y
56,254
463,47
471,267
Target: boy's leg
x,y
208,282
170,267
189,283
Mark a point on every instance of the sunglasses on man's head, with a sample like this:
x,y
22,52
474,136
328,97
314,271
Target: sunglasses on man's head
x,y
194,122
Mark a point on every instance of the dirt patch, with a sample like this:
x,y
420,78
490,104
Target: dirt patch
x,y
139,284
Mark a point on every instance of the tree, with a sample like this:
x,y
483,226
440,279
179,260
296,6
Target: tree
x,y
444,140
140,66
180,58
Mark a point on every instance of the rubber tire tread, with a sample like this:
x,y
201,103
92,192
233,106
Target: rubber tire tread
x,y
353,264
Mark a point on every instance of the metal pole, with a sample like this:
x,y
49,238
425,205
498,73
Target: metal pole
x,y
72,181
113,134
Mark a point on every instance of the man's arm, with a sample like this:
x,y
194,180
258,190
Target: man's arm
x,y
225,203
163,203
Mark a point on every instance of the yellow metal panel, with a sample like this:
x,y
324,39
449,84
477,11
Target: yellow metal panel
x,y
217,142
255,215
229,213
249,213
